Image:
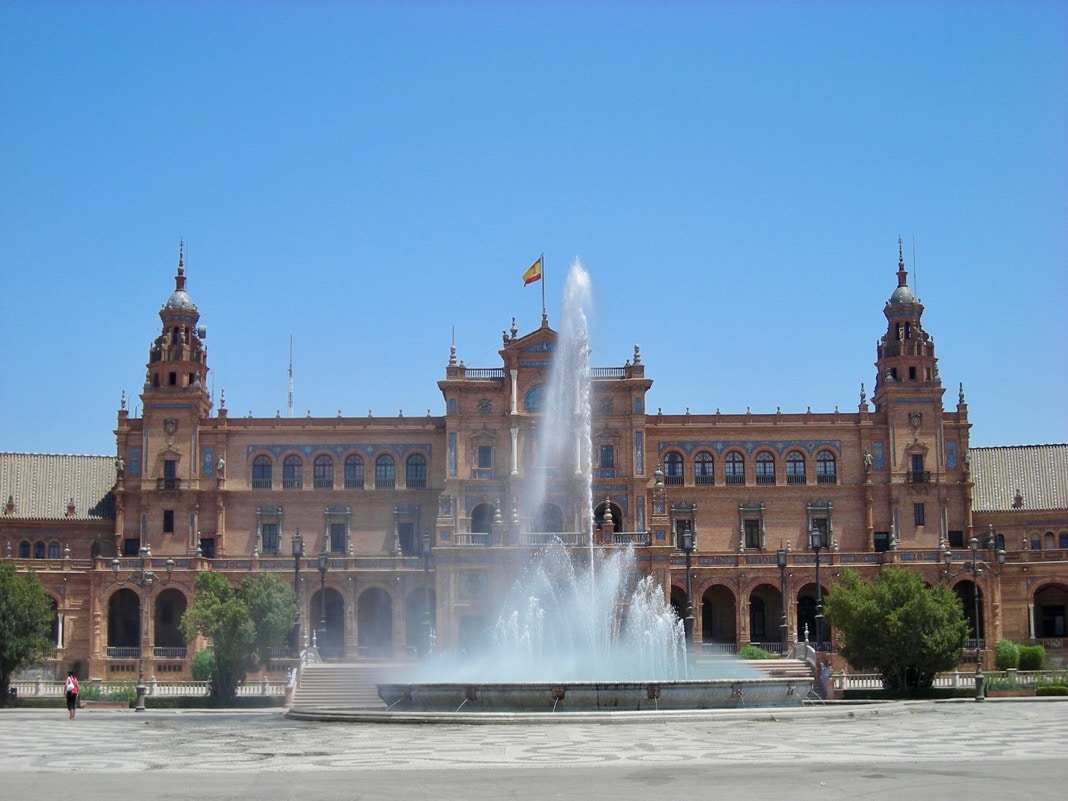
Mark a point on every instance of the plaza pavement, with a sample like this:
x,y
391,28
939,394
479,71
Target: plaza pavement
x,y
949,750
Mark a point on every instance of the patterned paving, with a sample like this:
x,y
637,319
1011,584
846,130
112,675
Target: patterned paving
x,y
126,742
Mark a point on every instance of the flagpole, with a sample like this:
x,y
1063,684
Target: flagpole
x,y
542,259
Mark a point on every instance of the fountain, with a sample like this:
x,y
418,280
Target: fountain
x,y
583,628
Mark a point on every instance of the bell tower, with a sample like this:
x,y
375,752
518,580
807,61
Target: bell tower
x,y
906,364
177,358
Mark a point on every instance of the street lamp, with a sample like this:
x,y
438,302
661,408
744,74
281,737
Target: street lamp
x,y
780,559
687,545
144,579
974,567
816,543
298,552
426,594
324,558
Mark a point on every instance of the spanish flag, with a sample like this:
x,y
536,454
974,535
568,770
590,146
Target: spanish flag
x,y
533,272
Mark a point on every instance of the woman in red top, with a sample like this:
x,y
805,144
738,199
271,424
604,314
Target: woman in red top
x,y
72,693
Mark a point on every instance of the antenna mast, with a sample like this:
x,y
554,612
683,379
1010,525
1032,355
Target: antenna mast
x,y
289,403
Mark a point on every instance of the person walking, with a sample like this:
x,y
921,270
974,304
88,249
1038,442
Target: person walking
x,y
72,693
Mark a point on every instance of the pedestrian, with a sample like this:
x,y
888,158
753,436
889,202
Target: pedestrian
x,y
72,693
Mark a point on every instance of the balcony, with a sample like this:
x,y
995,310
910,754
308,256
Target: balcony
x,y
918,477
160,652
673,481
795,479
760,479
168,483
353,483
415,483
482,473
735,480
122,652
476,538
323,483
385,483
261,483
827,478
292,483
704,481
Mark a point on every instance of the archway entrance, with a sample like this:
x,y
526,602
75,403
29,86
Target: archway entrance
x,y
374,623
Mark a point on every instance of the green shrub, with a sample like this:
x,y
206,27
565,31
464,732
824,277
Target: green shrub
x,y
755,652
91,691
1007,655
202,665
1032,657
1052,689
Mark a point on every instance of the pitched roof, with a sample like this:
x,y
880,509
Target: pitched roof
x,y
1038,472
42,485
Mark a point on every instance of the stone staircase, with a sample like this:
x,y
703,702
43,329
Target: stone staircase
x,y
347,685
782,668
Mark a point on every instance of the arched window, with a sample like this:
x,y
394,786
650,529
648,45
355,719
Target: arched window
x,y
795,467
734,468
673,469
53,550
415,471
703,472
1049,543
1062,540
826,468
261,472
530,400
765,468
323,472
548,518
1036,542
385,472
292,472
353,472
38,550
24,549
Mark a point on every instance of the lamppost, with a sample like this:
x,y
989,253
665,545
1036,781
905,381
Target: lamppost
x,y
144,579
324,559
815,542
780,559
298,552
687,545
426,594
974,567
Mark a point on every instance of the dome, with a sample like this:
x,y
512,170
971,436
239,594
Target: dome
x,y
181,301
902,295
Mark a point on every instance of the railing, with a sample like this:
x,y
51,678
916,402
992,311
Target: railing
x,y
122,652
734,480
322,483
765,479
169,689
706,481
160,652
539,538
713,648
472,538
385,483
636,538
353,483
484,373
673,481
168,483
608,372
261,483
918,477
795,479
772,647
292,483
827,478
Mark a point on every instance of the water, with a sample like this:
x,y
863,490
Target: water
x,y
584,614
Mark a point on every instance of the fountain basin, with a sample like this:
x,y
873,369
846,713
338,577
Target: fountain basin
x,y
594,695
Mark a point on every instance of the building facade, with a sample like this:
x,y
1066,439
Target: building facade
x,y
398,532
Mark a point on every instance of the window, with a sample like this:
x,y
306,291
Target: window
x,y
270,534
1049,541
919,514
956,539
39,550
385,472
168,521
261,472
292,473
353,472
752,534
673,469
530,400
608,461
170,474
1036,543
765,468
323,472
826,468
53,550
483,461
24,549
207,547
703,468
415,472
734,468
339,537
882,541
131,546
1062,540
917,475
795,468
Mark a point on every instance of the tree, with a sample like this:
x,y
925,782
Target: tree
x,y
26,619
243,624
899,626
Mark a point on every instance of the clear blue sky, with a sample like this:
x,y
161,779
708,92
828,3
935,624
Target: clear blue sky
x,y
366,176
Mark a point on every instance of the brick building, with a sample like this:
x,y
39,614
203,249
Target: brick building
x,y
413,524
